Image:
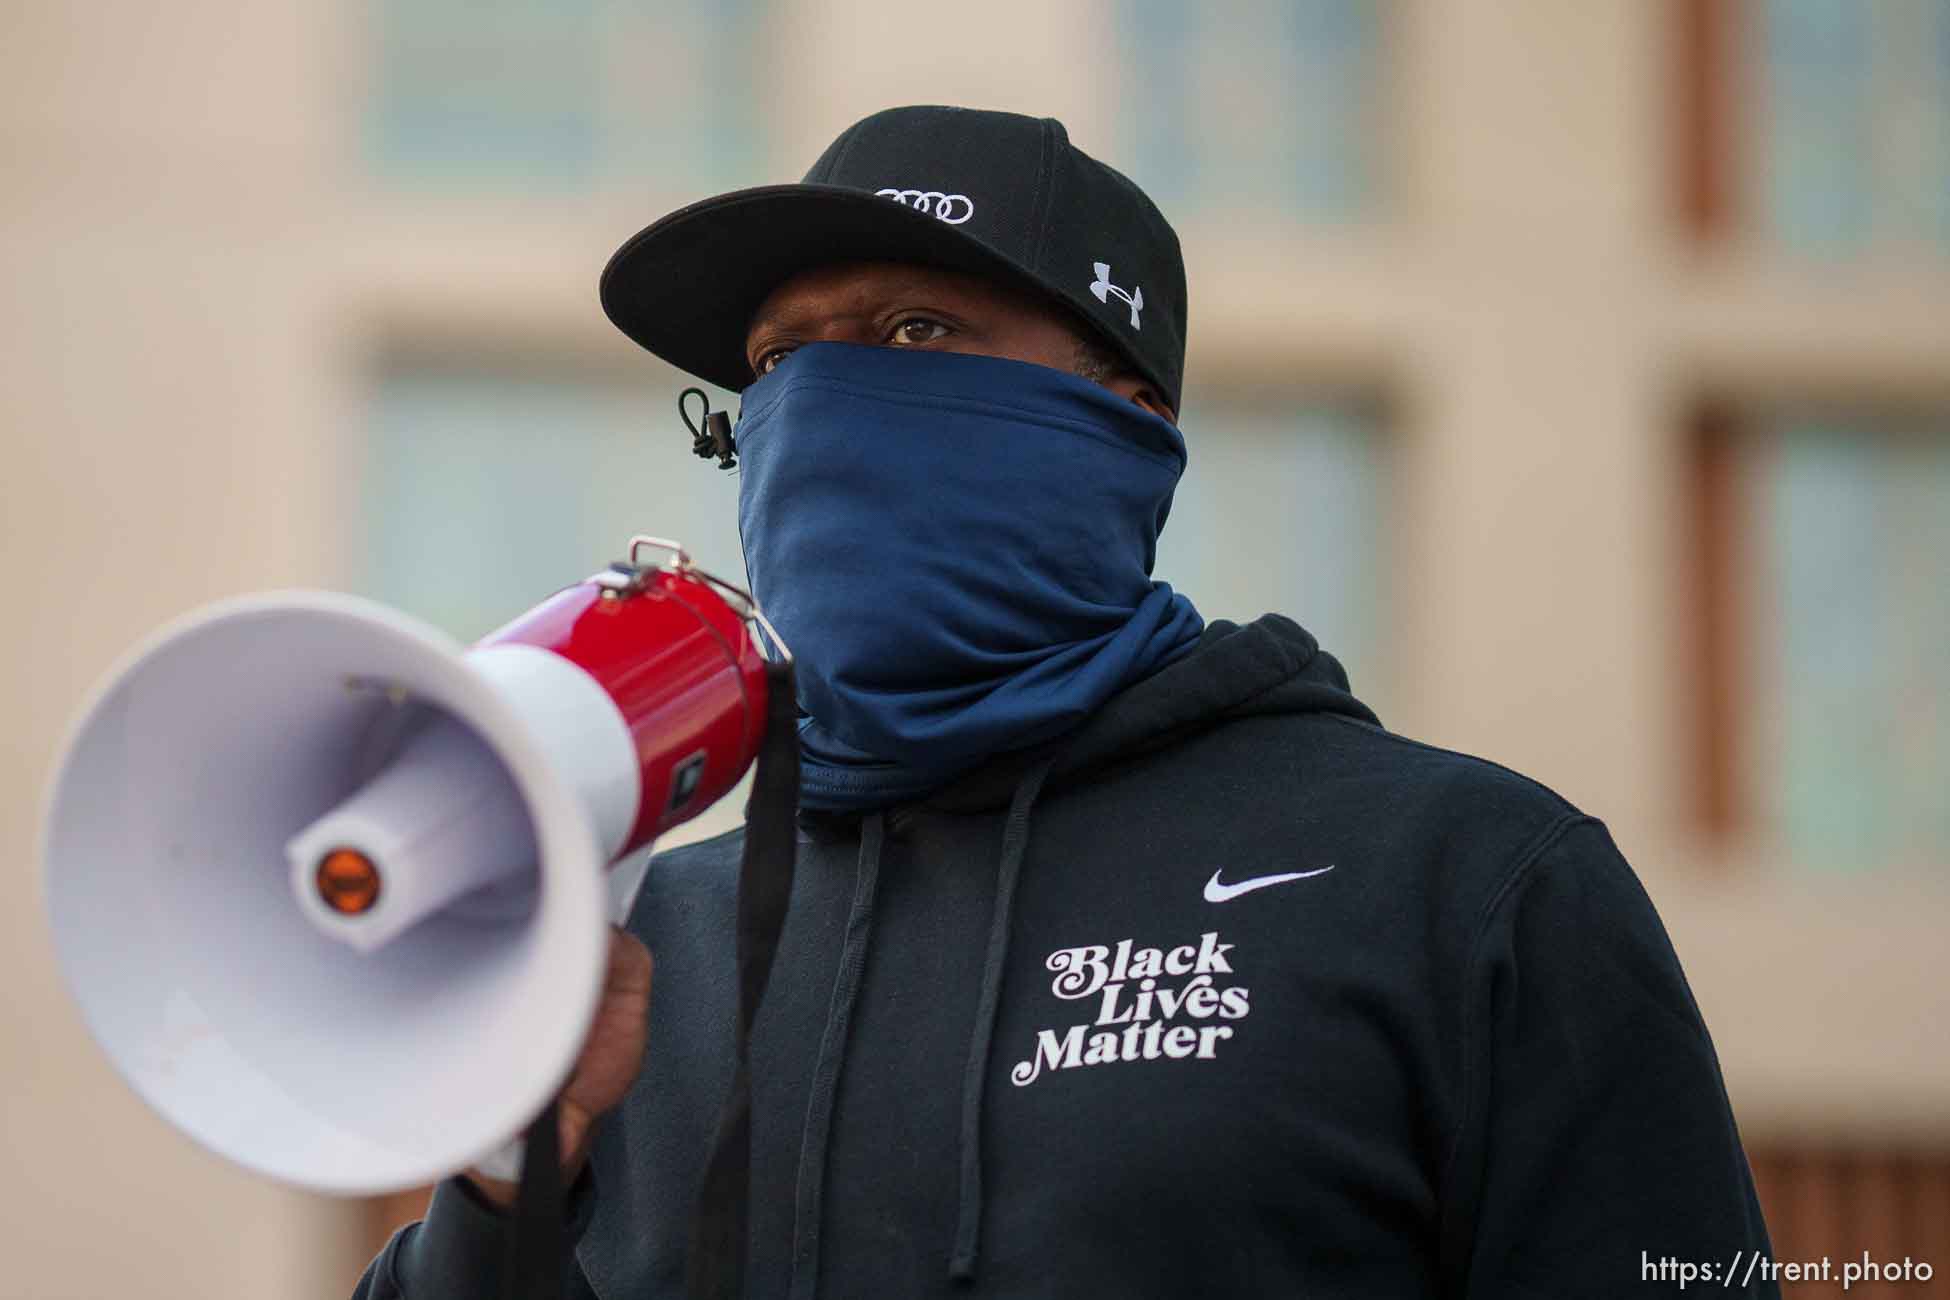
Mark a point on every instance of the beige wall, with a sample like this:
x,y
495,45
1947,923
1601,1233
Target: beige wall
x,y
195,277
167,406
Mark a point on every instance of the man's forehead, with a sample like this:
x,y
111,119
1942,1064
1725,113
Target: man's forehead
x,y
825,291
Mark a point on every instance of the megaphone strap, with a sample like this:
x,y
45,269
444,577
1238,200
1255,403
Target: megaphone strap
x,y
537,1245
715,1267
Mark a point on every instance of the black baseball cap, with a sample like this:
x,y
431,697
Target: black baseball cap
x,y
999,195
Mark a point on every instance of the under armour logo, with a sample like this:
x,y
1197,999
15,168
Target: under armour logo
x,y
1103,288
951,208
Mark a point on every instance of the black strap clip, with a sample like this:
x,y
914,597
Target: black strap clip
x,y
714,438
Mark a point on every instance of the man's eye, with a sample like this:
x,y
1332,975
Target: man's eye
x,y
917,329
771,359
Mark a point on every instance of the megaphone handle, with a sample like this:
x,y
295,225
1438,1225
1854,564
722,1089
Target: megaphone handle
x,y
503,1164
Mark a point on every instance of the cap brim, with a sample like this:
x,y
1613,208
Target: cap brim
x,y
686,286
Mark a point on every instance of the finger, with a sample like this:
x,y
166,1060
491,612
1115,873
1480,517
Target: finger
x,y
629,964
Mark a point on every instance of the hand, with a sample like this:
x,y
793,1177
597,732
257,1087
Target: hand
x,y
611,1057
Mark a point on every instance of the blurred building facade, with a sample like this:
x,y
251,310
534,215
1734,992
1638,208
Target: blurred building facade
x,y
1580,373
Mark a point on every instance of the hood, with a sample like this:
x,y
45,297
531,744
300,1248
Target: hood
x,y
1269,666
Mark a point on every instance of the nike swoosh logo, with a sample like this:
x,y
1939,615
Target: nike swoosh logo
x,y
1218,892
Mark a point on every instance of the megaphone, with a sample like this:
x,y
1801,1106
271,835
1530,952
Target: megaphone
x,y
329,887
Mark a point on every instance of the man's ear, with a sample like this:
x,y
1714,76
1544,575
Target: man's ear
x,y
1133,389
1155,404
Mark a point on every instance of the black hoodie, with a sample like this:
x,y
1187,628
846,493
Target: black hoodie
x,y
1229,993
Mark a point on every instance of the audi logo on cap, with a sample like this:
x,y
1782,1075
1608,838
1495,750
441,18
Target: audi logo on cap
x,y
951,208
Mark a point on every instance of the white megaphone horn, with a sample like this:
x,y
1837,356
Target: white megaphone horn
x,y
329,887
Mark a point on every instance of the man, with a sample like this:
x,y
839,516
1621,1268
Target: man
x,y
1127,955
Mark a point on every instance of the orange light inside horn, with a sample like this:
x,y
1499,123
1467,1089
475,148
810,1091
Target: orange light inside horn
x,y
348,881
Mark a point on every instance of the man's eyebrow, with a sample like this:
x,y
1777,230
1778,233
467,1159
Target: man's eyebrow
x,y
772,319
790,316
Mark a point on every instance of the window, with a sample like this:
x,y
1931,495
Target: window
x,y
565,95
1854,108
1272,105
484,490
1280,510
1854,526
1821,125
1833,581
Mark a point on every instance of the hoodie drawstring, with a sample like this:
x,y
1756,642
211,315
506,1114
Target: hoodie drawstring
x,y
832,1056
1015,839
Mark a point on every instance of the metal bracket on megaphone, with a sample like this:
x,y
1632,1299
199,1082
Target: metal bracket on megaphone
x,y
629,578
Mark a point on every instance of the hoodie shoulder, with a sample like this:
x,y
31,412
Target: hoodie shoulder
x,y
1451,774
721,849
1452,797
681,879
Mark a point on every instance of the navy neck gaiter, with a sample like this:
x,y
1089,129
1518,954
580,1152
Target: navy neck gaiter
x,y
958,550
